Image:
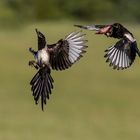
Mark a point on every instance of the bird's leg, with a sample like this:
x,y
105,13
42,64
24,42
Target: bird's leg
x,y
32,51
34,64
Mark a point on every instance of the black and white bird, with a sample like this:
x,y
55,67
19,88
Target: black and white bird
x,y
123,53
58,56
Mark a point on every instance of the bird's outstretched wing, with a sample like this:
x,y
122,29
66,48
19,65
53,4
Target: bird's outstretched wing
x,y
42,83
41,40
91,27
67,51
122,54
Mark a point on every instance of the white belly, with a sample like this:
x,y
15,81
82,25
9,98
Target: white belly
x,y
43,57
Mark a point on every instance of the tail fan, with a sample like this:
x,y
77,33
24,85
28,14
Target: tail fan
x,y
42,83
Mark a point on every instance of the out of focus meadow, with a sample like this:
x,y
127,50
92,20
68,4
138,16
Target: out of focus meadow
x,y
90,100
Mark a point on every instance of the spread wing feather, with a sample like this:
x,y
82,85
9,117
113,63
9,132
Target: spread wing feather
x,y
122,54
67,51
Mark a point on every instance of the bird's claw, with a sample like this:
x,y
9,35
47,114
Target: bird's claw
x,y
30,63
30,50
33,64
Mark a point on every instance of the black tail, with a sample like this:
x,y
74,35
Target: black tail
x,y
42,83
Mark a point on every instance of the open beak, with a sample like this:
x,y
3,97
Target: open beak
x,y
104,29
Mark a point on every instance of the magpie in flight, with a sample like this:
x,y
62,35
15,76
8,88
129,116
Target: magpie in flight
x,y
58,56
123,53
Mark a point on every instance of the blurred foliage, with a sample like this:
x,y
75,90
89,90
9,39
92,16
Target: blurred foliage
x,y
17,11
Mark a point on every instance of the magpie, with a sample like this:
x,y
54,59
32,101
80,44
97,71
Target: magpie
x,y
59,56
123,53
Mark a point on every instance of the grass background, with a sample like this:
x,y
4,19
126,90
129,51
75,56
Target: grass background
x,y
89,101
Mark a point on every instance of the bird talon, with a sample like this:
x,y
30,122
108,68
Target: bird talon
x,y
30,63
36,67
33,64
30,50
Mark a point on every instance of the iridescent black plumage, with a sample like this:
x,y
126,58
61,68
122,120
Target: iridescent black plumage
x,y
123,53
58,56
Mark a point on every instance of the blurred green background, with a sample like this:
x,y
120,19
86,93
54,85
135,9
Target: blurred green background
x,y
90,100
13,12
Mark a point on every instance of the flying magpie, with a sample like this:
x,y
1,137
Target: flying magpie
x,y
59,56
123,53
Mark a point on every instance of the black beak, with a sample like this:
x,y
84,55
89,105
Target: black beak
x,y
37,32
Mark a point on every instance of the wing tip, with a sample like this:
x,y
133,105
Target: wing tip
x,y
77,25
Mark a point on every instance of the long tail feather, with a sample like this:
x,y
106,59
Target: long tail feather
x,y
41,85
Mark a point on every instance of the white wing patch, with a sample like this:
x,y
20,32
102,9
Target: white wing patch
x,y
130,37
76,45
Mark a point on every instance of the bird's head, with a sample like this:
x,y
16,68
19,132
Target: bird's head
x,y
117,26
110,30
39,34
41,39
